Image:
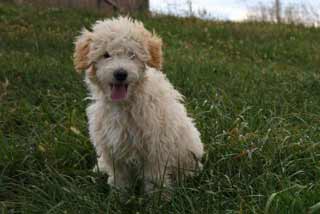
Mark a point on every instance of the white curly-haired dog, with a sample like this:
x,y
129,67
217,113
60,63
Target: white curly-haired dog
x,y
137,122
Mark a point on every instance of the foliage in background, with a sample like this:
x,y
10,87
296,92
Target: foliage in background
x,y
276,11
302,13
253,89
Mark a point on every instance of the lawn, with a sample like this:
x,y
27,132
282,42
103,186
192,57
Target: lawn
x,y
253,89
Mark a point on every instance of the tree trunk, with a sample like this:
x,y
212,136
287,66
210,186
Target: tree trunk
x,y
278,11
144,5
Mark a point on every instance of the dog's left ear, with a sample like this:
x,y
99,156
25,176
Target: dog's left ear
x,y
155,50
81,51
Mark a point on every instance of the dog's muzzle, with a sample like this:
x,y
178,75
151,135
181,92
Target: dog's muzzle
x,y
120,75
119,89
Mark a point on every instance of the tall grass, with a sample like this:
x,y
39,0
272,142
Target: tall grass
x,y
252,88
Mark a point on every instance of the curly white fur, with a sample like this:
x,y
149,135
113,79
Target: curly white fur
x,y
147,134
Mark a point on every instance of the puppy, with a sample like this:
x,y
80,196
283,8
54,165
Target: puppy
x,y
137,122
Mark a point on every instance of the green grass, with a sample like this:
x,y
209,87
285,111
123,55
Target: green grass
x,y
253,89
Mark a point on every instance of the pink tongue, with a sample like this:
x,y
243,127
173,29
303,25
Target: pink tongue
x,y
118,92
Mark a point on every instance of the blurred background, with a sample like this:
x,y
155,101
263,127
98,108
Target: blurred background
x,y
306,12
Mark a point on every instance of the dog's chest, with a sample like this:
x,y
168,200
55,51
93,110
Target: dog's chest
x,y
125,137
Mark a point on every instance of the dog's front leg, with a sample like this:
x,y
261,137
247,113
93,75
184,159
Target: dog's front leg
x,y
117,172
101,166
156,183
156,176
119,176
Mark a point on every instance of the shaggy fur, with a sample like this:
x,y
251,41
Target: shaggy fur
x,y
144,131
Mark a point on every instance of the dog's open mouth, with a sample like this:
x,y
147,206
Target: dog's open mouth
x,y
119,91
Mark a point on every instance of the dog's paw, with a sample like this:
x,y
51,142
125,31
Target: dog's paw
x,y
161,191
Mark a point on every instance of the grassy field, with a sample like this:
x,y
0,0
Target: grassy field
x,y
252,88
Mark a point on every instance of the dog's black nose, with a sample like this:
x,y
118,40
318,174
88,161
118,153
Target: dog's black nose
x,y
120,74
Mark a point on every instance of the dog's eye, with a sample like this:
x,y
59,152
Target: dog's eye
x,y
106,55
131,55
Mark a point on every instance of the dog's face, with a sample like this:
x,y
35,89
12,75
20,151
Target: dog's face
x,y
118,70
115,55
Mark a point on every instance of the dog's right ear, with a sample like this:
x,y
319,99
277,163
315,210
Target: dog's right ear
x,y
81,51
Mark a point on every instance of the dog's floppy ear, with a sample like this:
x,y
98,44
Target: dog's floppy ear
x,y
155,50
81,51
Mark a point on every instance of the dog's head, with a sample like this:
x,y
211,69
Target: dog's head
x,y
115,55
